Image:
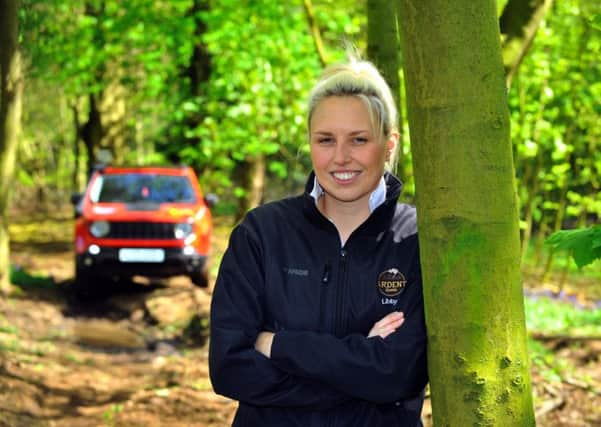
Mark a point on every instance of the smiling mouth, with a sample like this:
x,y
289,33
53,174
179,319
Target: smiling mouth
x,y
344,176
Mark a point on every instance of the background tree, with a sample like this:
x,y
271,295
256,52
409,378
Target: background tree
x,y
263,60
117,65
467,213
11,87
222,88
519,23
383,49
555,104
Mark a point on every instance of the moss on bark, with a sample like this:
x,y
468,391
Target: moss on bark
x,y
467,213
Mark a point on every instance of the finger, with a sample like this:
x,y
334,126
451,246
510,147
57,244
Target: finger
x,y
392,326
383,333
389,324
390,318
386,330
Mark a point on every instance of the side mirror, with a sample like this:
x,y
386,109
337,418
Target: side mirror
x,y
76,198
211,200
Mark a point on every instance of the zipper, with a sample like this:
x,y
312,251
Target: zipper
x,y
338,325
325,279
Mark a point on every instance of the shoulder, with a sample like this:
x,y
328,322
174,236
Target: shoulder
x,y
272,215
278,208
404,222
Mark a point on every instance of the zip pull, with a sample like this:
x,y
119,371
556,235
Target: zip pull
x,y
326,273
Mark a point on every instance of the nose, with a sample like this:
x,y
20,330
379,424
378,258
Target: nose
x,y
342,153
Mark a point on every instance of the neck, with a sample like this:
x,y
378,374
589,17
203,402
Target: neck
x,y
346,216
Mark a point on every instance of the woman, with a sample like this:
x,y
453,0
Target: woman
x,y
317,314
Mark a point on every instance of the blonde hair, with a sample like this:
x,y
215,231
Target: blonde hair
x,y
362,80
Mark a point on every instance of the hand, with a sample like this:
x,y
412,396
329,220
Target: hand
x,y
263,343
387,325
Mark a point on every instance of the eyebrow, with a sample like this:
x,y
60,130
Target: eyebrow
x,y
353,133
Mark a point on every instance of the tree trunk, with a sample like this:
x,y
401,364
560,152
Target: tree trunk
x,y
11,89
199,69
76,151
467,213
91,133
519,22
383,49
113,114
253,181
559,215
530,206
532,174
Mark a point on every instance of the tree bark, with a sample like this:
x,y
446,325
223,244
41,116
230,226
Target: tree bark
x,y
467,213
11,89
383,49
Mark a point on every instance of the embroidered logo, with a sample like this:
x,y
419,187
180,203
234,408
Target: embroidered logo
x,y
296,271
391,283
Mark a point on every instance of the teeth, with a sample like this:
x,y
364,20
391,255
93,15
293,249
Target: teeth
x,y
344,175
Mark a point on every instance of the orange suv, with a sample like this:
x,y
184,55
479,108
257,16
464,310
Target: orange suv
x,y
148,221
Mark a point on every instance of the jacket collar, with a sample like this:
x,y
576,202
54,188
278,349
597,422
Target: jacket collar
x,y
379,218
393,186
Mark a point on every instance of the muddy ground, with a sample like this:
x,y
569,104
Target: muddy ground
x,y
138,355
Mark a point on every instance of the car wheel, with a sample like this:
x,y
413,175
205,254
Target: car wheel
x,y
200,278
85,285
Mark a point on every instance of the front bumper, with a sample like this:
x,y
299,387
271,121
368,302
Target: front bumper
x,y
106,262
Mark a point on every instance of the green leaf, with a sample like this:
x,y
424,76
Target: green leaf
x,y
584,244
596,21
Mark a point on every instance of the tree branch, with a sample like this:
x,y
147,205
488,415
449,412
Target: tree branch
x,y
519,22
315,32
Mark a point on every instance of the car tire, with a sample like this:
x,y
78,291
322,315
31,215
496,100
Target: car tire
x,y
200,278
85,285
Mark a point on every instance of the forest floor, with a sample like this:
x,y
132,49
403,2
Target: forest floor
x,y
139,356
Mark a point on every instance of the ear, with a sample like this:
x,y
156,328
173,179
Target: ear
x,y
391,142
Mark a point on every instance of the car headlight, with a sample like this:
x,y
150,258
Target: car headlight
x,y
100,228
182,230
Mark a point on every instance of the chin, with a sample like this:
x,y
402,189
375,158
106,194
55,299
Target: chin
x,y
348,197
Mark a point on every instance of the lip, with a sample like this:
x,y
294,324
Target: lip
x,y
345,177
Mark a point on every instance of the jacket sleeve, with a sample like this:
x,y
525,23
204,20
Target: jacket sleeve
x,y
375,369
237,370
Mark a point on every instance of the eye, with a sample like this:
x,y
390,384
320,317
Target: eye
x,y
359,140
325,140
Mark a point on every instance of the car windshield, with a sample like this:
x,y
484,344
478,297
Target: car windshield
x,y
138,187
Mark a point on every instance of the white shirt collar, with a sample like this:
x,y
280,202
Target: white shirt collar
x,y
376,198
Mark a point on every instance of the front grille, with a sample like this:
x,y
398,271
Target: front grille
x,y
141,230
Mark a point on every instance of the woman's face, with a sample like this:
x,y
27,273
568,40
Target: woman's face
x,y
348,158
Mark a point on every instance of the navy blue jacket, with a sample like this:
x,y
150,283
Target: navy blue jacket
x,y
285,271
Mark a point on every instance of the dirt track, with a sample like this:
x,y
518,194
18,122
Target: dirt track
x,y
103,364
129,359
136,357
